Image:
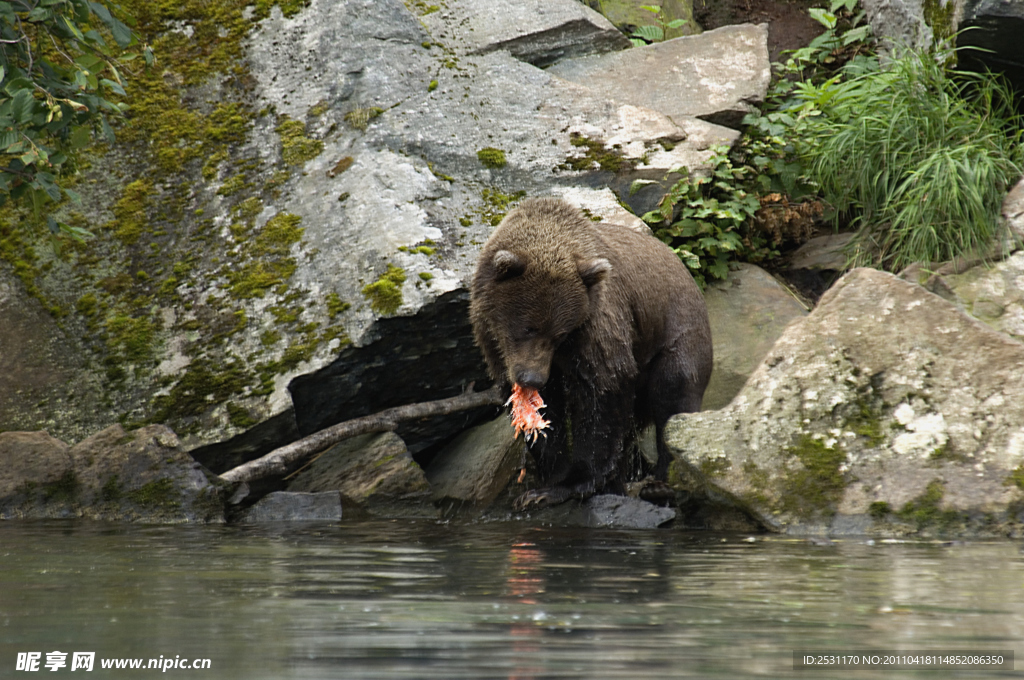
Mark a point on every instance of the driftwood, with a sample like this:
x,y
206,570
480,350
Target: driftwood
x,y
278,461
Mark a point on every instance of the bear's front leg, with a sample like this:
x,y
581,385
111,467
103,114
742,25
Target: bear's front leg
x,y
586,458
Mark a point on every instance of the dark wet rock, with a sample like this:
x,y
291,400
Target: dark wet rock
x,y
405,360
31,462
623,512
140,476
374,473
719,76
539,32
607,512
886,410
748,313
477,466
285,506
992,30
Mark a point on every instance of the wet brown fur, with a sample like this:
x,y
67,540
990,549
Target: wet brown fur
x,y
605,321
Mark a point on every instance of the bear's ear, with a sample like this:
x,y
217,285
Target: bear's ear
x,y
593,271
507,265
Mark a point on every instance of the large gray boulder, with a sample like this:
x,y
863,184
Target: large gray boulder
x,y
374,474
719,76
886,410
475,468
748,313
994,294
139,476
289,506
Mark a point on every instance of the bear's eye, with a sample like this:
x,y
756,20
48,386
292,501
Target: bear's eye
x,y
530,332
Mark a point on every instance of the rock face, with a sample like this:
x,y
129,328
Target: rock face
x,y
476,467
142,476
719,76
308,211
992,294
748,313
886,410
284,506
374,473
535,31
993,27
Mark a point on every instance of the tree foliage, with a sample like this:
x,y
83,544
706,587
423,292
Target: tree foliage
x,y
61,80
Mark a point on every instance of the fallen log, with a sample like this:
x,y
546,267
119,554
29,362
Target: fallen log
x,y
278,461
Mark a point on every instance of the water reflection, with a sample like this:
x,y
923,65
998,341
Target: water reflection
x,y
421,600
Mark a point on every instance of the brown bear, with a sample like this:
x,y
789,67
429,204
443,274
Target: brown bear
x,y
606,322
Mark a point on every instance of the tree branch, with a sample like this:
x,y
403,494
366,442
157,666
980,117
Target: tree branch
x,y
277,461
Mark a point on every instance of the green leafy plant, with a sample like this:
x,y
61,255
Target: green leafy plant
x,y
60,83
708,221
917,156
652,33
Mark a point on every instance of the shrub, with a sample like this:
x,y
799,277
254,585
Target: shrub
x,y
917,156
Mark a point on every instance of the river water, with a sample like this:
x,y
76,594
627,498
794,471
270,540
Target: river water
x,y
497,600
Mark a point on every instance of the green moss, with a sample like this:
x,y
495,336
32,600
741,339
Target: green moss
x,y
359,119
1016,478
279,234
269,338
131,338
271,265
879,510
87,305
609,160
249,209
491,157
240,417
296,147
925,511
940,16
335,305
160,493
233,185
130,211
432,86
421,8
385,294
203,385
715,467
497,204
319,109
212,165
817,486
63,490
112,491
426,276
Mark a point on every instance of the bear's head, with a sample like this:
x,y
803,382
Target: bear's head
x,y
534,303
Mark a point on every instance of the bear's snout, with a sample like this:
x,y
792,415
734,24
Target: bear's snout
x,y
531,378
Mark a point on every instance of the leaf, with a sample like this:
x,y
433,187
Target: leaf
x,y
22,106
101,11
676,23
122,34
650,33
826,19
80,137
